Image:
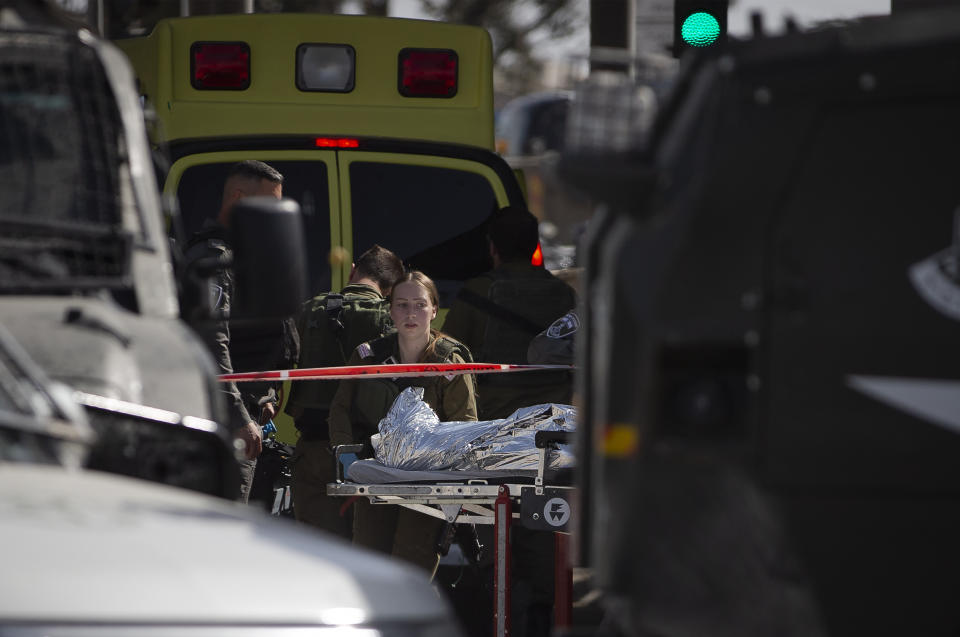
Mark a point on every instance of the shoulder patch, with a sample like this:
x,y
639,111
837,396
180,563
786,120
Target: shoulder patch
x,y
564,326
364,350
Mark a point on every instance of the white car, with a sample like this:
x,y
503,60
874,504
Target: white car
x,y
85,552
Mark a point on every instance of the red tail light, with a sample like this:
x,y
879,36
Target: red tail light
x,y
428,73
336,142
537,258
220,65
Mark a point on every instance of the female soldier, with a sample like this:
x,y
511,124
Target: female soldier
x,y
358,407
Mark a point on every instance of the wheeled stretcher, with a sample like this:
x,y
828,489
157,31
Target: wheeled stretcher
x,y
539,500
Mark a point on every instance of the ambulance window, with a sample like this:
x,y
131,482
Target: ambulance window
x,y
201,189
432,217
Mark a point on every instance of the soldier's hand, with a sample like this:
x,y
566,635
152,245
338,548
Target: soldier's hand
x,y
267,412
252,438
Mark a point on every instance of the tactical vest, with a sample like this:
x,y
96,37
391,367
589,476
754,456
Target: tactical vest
x,y
331,327
374,397
520,305
443,348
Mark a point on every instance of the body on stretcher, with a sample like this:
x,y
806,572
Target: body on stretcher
x,y
467,496
488,496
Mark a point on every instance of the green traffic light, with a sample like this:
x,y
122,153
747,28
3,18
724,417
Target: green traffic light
x,y
700,29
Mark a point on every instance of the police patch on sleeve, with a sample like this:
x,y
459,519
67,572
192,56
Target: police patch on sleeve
x,y
364,350
564,326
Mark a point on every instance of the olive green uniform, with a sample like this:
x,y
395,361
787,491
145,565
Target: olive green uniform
x,y
502,394
365,315
357,409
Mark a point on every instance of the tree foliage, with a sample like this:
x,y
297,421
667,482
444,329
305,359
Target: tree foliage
x,y
134,17
517,27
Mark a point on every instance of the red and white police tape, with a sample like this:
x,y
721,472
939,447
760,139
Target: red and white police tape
x,y
393,371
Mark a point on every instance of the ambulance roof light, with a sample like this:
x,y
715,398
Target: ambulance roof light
x,y
329,68
427,73
220,66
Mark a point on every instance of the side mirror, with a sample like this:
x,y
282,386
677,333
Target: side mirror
x,y
269,258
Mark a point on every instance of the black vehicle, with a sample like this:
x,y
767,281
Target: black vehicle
x,y
769,371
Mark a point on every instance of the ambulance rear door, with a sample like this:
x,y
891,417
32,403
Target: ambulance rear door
x,y
429,208
309,177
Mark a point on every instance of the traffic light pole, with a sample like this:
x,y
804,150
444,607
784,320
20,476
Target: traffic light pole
x,y
611,29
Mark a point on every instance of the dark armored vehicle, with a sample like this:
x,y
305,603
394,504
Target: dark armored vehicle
x,y
770,372
87,285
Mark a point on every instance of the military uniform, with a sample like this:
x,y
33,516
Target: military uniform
x,y
554,345
499,333
331,326
210,244
355,415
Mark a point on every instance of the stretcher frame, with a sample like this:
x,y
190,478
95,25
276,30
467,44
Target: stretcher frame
x,y
477,501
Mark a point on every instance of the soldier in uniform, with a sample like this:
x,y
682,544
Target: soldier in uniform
x,y
359,405
331,326
497,316
245,179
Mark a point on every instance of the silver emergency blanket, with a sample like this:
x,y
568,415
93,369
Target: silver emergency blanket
x,y
413,438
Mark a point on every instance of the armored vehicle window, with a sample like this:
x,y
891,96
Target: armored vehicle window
x,y
60,165
201,189
432,217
